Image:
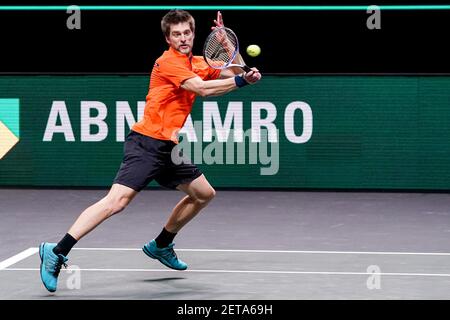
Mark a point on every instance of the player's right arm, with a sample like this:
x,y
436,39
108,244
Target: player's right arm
x,y
218,87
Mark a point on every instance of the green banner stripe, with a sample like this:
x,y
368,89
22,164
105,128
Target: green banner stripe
x,y
371,132
10,114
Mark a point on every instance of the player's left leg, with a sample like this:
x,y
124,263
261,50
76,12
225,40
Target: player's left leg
x,y
199,194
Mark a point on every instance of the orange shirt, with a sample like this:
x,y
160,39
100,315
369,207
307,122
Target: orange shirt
x,y
167,104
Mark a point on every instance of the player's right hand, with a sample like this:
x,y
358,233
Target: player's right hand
x,y
252,76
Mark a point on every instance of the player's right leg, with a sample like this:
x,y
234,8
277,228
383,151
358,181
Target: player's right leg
x,y
117,199
53,255
139,165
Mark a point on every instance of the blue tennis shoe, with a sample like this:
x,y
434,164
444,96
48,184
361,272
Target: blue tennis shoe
x,y
50,265
166,256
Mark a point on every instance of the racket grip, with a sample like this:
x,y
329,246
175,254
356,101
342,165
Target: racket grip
x,y
246,68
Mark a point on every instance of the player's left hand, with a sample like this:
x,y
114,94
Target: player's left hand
x,y
218,22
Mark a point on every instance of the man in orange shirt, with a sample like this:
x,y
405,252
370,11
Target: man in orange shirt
x,y
176,79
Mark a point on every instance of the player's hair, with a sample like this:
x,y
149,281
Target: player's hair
x,y
176,16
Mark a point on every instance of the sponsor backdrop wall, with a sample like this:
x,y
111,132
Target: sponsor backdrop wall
x,y
372,132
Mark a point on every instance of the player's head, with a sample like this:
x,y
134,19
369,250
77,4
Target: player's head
x,y
178,27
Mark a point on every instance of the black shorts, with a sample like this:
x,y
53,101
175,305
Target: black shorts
x,y
146,158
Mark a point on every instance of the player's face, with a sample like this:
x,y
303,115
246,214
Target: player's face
x,y
181,37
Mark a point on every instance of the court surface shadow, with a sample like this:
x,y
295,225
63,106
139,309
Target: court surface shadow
x,y
163,279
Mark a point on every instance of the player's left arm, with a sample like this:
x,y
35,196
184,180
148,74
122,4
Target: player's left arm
x,y
233,71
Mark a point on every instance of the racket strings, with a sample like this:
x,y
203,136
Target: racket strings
x,y
220,47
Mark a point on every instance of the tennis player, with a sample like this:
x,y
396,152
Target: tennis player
x,y
176,79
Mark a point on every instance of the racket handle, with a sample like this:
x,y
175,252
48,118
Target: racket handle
x,y
246,68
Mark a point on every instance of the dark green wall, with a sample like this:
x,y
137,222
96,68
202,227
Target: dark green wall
x,y
380,132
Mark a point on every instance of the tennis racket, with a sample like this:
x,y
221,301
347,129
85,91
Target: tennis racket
x,y
221,48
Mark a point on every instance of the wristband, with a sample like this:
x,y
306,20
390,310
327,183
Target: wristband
x,y
240,81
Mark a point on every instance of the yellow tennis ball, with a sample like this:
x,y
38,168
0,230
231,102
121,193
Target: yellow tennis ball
x,y
253,50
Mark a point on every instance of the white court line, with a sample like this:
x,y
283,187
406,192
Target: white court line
x,y
31,251
251,271
280,251
18,257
